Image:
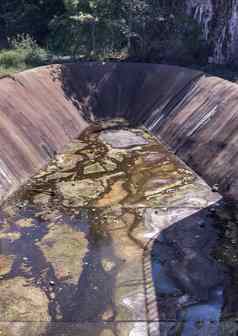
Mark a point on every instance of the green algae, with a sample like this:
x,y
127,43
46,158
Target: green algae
x,y
20,301
99,189
6,263
65,249
149,173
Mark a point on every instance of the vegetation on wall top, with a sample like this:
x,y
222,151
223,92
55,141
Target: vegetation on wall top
x,y
147,30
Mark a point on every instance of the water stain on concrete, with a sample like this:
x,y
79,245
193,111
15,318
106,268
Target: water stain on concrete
x,y
112,239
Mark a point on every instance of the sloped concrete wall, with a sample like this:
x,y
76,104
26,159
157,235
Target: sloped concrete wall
x,y
202,129
41,110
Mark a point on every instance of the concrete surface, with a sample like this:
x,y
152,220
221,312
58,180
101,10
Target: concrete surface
x,y
42,109
114,237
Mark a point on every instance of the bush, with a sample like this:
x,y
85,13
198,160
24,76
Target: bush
x,y
24,53
28,47
178,40
11,58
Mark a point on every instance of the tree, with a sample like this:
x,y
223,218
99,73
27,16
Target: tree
x,y
87,26
29,17
155,30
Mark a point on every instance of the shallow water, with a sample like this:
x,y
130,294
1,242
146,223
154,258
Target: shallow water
x,y
115,237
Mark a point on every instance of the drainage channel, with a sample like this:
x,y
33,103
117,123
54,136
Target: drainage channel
x,y
116,236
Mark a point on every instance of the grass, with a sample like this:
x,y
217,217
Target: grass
x,y
24,53
13,61
10,70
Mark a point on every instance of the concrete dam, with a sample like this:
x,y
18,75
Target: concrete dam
x,y
118,185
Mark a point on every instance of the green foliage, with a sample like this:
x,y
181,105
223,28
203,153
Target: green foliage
x,y
11,58
24,52
29,50
151,30
180,41
29,16
71,5
88,28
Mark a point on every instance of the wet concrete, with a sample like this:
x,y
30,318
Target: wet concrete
x,y
117,237
43,109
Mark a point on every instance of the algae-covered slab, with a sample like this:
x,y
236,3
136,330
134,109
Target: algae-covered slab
x,y
65,249
79,193
5,264
122,139
21,302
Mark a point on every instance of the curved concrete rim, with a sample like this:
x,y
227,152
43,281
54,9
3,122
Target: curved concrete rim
x,y
43,109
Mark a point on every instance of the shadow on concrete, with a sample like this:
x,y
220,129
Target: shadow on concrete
x,y
191,286
188,290
140,93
